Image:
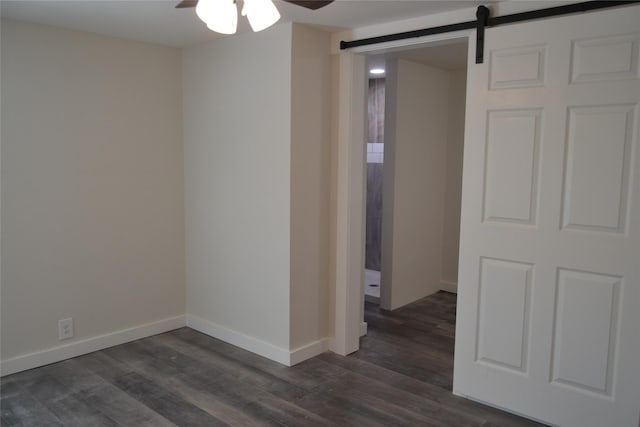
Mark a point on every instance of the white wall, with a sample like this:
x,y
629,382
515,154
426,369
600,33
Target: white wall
x,y
415,167
257,171
453,189
92,186
310,169
237,121
96,192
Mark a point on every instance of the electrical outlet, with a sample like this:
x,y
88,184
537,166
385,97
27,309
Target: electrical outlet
x,y
65,329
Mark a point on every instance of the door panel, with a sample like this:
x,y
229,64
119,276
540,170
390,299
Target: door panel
x,y
512,166
585,328
549,279
503,330
597,175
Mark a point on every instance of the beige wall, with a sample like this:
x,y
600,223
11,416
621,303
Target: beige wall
x,y
310,168
237,120
97,194
257,189
453,191
420,144
92,185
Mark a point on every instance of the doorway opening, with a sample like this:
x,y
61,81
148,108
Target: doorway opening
x,y
416,106
374,180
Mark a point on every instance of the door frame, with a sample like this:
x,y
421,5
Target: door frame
x,y
350,189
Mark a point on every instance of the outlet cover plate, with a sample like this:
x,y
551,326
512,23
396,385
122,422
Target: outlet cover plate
x,y
65,329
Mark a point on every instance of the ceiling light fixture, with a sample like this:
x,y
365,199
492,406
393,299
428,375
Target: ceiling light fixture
x,y
221,16
377,71
260,13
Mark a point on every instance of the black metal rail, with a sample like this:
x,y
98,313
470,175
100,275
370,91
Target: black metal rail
x,y
485,20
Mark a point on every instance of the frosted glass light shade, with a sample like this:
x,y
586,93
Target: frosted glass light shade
x,y
260,13
220,16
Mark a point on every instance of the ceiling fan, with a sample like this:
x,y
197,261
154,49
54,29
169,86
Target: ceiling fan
x,y
222,15
309,4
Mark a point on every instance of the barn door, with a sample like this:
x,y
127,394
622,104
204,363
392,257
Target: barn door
x,y
549,281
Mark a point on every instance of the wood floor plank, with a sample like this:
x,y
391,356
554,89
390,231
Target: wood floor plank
x,y
412,365
125,410
372,388
165,402
67,403
334,407
286,413
18,408
378,408
112,401
75,410
25,411
432,352
222,394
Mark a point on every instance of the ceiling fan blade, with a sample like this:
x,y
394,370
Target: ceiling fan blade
x,y
310,4
187,3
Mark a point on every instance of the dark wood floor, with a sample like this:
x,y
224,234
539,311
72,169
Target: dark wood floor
x,y
400,377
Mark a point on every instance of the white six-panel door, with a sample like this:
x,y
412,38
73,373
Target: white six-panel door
x,y
549,282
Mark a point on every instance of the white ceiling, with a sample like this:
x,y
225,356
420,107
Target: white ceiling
x,y
447,56
157,21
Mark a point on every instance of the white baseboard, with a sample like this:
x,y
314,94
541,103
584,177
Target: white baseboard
x,y
254,345
239,339
308,351
452,287
88,345
363,329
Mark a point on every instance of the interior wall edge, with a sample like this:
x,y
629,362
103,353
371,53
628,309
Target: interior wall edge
x,y
363,328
